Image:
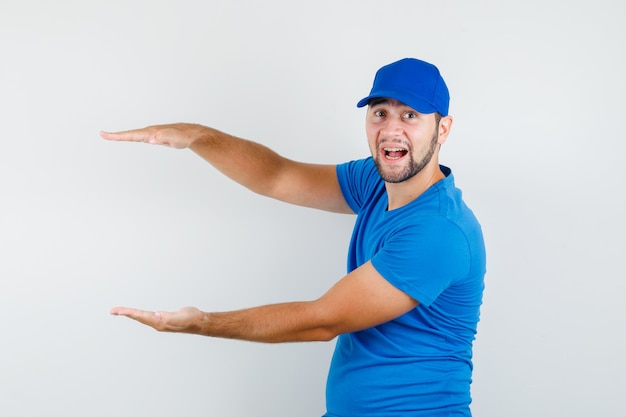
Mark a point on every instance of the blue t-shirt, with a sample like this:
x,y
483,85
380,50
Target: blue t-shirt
x,y
419,364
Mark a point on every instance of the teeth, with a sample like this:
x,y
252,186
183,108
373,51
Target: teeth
x,y
393,149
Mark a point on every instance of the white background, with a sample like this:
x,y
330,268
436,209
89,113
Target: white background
x,y
537,147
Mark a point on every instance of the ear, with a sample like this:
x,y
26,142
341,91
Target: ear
x,y
445,124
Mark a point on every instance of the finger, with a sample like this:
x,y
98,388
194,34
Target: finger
x,y
136,135
121,311
149,318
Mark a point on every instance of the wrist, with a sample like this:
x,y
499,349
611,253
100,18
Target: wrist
x,y
201,325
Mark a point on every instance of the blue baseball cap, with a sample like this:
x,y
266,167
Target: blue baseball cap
x,y
413,82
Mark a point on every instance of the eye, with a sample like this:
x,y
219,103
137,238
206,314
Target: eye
x,y
379,113
409,115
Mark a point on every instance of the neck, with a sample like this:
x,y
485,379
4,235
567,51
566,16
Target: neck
x,y
402,193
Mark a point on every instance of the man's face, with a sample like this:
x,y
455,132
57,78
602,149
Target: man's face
x,y
402,141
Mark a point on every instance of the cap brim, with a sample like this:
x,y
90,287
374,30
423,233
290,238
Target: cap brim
x,y
413,102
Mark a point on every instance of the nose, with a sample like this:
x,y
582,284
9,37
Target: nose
x,y
391,128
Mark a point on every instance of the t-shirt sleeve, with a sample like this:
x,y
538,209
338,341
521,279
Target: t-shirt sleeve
x,y
355,180
424,259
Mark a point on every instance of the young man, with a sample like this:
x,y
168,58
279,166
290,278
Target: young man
x,y
406,313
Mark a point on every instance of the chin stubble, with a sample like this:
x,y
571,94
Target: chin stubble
x,y
412,168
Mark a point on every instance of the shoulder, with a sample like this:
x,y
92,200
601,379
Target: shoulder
x,y
357,166
359,180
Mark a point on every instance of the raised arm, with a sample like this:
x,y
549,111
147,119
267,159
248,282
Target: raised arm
x,y
251,164
360,300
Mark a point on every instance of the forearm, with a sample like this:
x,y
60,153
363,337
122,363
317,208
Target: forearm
x,y
360,300
248,163
274,323
265,172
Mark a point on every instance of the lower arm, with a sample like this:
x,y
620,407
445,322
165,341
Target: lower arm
x,y
286,322
246,162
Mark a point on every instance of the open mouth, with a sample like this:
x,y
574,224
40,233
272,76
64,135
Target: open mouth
x,y
394,153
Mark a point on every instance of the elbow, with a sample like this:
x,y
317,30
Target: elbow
x,y
330,330
324,324
323,333
326,335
